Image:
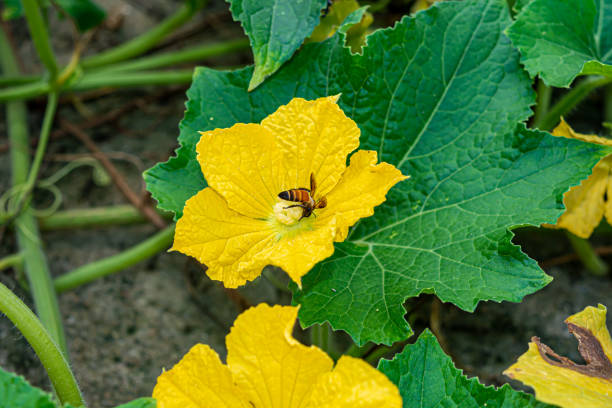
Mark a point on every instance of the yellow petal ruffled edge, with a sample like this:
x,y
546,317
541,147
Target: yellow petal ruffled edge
x,y
199,380
585,204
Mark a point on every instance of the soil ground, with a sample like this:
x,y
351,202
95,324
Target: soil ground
x,y
124,328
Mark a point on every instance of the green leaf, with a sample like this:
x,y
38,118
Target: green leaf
x,y
140,403
560,39
12,9
276,28
16,392
426,377
439,96
85,13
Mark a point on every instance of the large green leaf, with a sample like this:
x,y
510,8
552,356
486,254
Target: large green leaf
x,y
427,378
16,392
440,96
560,39
276,28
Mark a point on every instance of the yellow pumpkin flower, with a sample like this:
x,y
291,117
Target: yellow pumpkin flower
x,y
586,204
268,368
560,381
239,224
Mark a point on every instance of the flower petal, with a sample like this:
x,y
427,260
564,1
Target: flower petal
x,y
241,164
564,130
585,204
315,137
199,380
222,239
297,254
558,380
362,187
355,384
267,363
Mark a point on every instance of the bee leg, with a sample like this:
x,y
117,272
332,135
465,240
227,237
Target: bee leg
x,y
293,206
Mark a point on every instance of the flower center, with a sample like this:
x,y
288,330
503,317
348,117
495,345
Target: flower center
x,y
287,216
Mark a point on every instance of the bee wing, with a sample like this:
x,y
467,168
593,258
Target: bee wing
x,y
313,185
322,203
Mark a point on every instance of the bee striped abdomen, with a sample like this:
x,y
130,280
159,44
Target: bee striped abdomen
x,y
296,194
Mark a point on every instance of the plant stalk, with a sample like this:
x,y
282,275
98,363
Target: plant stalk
x,y
543,101
195,54
143,42
40,36
591,261
94,217
87,273
26,227
50,355
100,80
570,100
10,261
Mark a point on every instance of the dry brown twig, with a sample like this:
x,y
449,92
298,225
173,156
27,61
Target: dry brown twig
x,y
117,178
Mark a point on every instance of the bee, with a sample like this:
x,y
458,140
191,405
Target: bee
x,y
304,197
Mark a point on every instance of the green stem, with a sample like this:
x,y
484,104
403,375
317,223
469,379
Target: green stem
x,y
26,228
132,79
43,140
144,42
44,346
99,80
381,351
26,91
87,273
543,102
19,80
94,217
195,54
587,255
40,37
15,260
356,351
571,99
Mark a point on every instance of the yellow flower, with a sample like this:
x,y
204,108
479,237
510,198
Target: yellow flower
x,y
268,368
238,224
558,380
587,203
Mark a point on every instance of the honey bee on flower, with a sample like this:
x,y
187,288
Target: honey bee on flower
x,y
243,221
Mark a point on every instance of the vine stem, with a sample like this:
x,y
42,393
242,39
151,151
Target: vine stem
x,y
40,36
87,273
15,260
543,102
587,255
179,57
46,348
143,42
570,100
101,80
94,217
26,228
41,148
